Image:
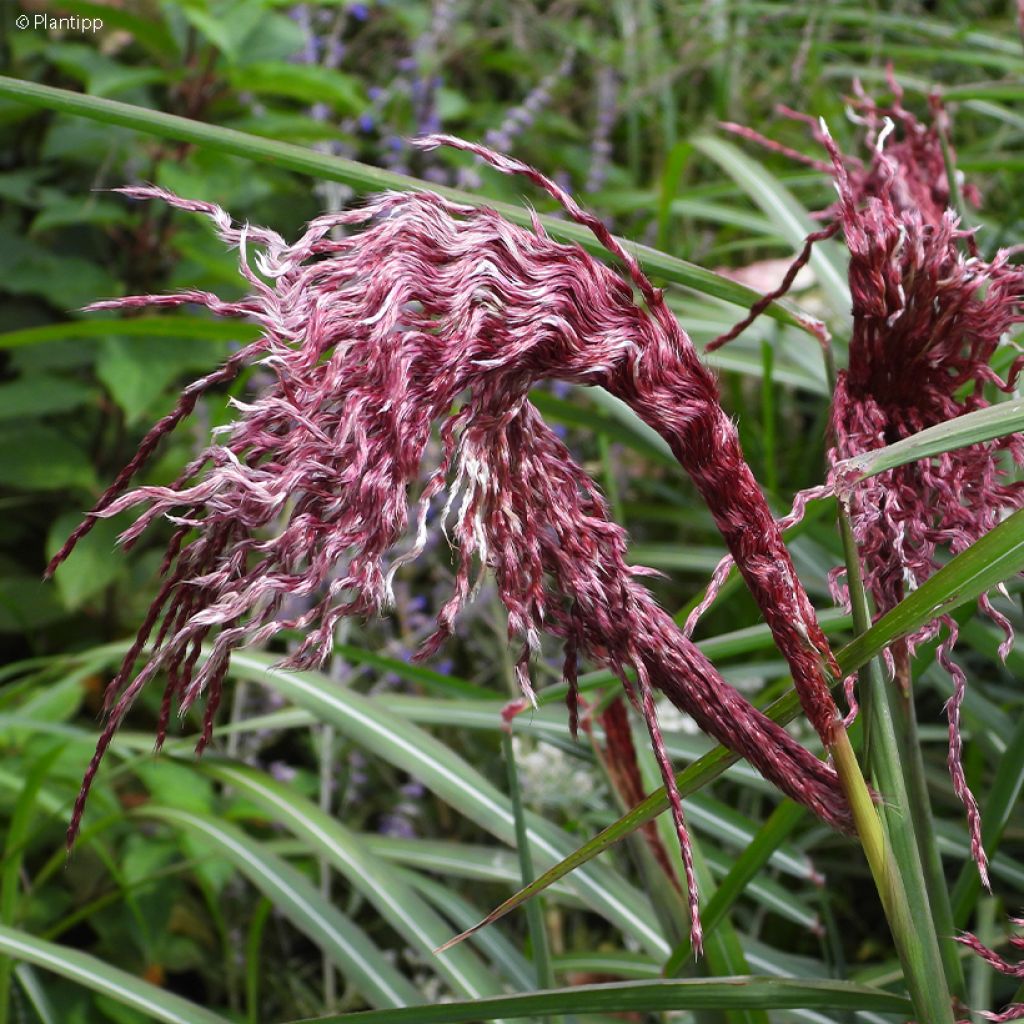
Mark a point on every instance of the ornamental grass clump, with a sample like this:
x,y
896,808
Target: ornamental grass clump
x,y
434,315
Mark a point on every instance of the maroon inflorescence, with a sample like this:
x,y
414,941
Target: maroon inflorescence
x,y
438,315
928,316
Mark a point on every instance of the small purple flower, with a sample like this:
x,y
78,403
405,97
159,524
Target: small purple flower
x,y
359,11
282,771
366,123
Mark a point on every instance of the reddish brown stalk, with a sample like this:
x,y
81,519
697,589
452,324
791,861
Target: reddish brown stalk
x,y
620,760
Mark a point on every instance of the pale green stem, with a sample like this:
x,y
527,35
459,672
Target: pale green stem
x,y
888,839
535,907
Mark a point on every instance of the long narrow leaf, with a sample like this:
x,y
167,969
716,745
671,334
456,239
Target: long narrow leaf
x,y
396,902
298,899
154,1002
792,220
366,178
647,996
448,775
983,425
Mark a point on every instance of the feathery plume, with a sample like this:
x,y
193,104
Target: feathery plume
x,y
927,319
434,313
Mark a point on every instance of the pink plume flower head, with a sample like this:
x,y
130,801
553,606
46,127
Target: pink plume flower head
x,y
929,314
927,320
433,314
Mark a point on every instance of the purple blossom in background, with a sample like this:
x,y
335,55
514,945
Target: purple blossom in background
x,y
601,144
518,119
282,771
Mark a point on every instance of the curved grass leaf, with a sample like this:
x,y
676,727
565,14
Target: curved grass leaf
x,y
792,220
142,326
396,902
971,428
737,993
455,781
365,178
779,824
995,557
298,899
112,982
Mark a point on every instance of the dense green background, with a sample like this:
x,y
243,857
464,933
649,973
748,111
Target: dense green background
x,y
345,826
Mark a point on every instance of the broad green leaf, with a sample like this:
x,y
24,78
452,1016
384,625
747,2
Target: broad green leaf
x,y
149,32
309,83
27,602
66,282
42,394
93,565
156,1003
366,178
38,458
297,898
751,992
137,373
971,428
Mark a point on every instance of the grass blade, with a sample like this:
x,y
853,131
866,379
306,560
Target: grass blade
x,y
449,776
365,178
897,868
142,326
971,428
750,992
396,902
780,823
125,988
780,206
535,916
298,899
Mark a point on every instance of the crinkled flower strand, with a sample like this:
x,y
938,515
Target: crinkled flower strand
x,y
666,384
1015,1011
372,340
